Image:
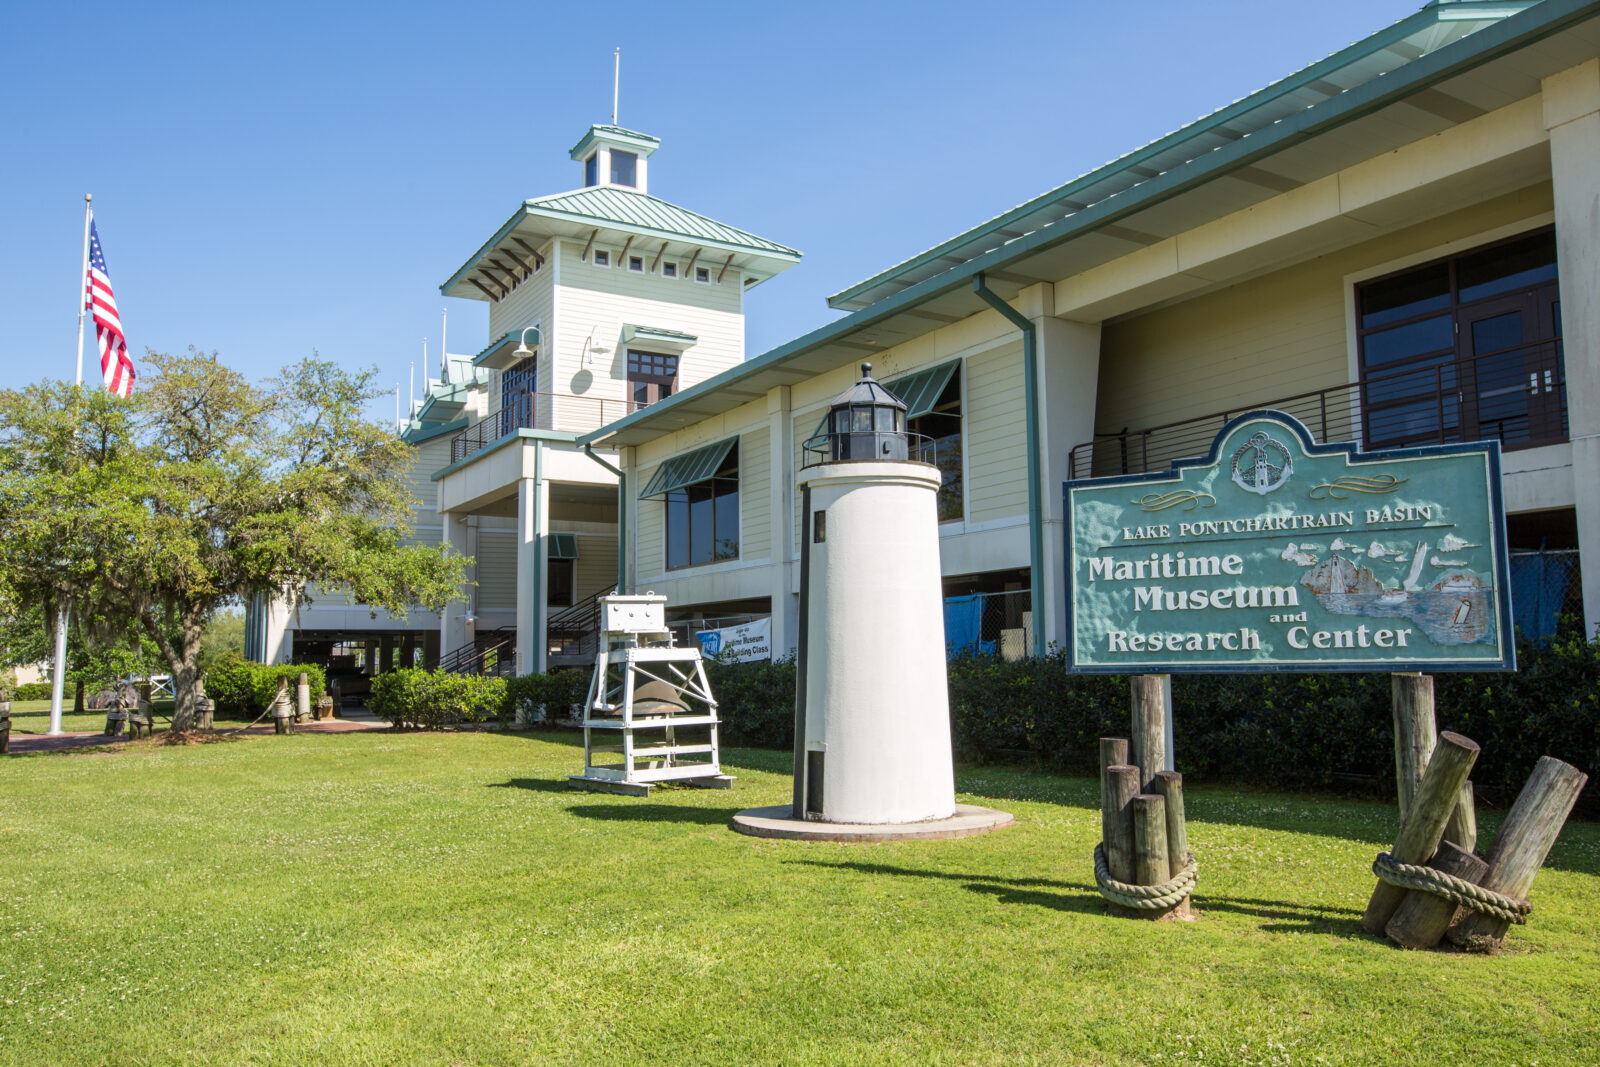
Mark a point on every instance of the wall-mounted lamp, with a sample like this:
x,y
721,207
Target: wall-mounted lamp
x,y
522,348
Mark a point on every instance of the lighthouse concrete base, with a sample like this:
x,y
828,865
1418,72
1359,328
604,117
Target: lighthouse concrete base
x,y
779,821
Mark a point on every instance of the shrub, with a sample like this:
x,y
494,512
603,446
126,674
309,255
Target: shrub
x,y
431,700
242,687
755,702
8,684
33,691
545,698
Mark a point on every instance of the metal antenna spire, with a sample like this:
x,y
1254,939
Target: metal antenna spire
x,y
616,82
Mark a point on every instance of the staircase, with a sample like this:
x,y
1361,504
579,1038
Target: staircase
x,y
493,653
574,634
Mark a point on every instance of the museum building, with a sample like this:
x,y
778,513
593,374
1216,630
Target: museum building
x,y
1378,244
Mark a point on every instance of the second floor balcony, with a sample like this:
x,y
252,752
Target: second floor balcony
x,y
561,412
1515,395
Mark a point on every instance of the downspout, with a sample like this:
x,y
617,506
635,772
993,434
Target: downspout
x,y
622,518
1030,394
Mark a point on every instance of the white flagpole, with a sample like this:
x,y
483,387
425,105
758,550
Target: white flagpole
x,y
83,278
58,679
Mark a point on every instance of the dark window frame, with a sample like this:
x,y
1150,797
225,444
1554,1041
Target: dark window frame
x,y
944,427
688,540
1424,393
652,376
559,573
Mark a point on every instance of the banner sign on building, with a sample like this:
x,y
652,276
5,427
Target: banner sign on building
x,y
1276,553
738,644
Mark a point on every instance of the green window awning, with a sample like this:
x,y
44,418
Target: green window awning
x,y
689,468
920,391
561,546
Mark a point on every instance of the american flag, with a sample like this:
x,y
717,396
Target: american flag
x,y
114,362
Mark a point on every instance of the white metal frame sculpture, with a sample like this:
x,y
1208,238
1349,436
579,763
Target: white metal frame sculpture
x,y
644,689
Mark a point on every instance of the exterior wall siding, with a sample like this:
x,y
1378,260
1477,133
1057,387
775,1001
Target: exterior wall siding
x,y
1267,338
594,303
530,303
995,431
755,478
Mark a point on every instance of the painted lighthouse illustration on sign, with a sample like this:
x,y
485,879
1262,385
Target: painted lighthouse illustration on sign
x,y
872,720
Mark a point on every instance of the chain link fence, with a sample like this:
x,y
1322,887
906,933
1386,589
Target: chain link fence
x,y
1546,592
989,624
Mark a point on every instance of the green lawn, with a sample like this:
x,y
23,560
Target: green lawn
x,y
33,717
445,899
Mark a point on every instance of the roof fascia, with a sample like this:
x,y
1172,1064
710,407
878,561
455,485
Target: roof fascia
x,y
555,436
1524,28
421,434
1298,80
483,250
787,256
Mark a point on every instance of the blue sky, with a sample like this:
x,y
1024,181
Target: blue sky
x,y
276,178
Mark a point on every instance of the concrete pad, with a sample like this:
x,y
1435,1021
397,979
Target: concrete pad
x,y
778,821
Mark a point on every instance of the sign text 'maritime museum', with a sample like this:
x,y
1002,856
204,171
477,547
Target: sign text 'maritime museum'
x,y
1275,553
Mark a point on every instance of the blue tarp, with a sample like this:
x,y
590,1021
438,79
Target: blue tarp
x,y
1538,591
963,626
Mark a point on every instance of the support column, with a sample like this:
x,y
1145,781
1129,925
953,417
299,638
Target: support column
x,y
533,529
780,507
452,628
1069,376
1572,115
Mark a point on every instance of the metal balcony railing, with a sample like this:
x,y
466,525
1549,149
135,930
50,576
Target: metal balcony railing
x,y
1516,395
538,411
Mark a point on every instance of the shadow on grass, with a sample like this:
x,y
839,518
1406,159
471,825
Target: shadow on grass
x,y
1034,892
537,785
1288,917
653,813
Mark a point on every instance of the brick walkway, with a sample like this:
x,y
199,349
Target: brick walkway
x,y
22,744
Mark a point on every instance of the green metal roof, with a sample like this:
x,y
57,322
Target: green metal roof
x,y
920,390
561,546
689,468
1419,34
657,335
635,212
628,211
642,143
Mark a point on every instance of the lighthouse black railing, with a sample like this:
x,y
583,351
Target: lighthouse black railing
x,y
866,444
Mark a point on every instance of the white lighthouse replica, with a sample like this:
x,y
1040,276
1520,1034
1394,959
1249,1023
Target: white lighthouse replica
x,y
872,718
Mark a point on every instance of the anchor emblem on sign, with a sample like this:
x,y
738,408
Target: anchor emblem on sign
x,y
1261,464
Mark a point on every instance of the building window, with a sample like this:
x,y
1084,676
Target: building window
x,y
703,275
624,168
591,170
636,263
933,410
1465,349
602,258
651,377
518,385
703,518
669,270
562,584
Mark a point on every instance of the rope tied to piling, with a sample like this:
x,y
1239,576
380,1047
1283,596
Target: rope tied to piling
x,y
1456,890
1145,897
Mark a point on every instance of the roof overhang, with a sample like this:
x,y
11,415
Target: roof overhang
x,y
1495,66
505,351
641,143
492,272
658,338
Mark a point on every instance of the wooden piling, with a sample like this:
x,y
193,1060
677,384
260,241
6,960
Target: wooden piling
x,y
1422,918
302,699
1148,706
1116,820
1169,786
1421,832
1415,733
1113,752
1519,849
1150,839
1411,697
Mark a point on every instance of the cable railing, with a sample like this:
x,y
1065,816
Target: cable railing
x,y
538,411
493,654
1515,395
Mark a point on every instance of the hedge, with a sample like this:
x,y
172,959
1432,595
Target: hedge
x,y
239,686
431,700
1302,731
33,691
545,698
